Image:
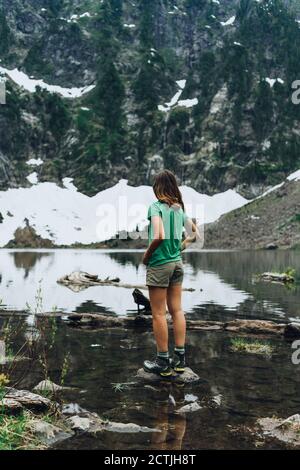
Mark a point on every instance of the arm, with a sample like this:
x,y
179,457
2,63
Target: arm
x,y
192,232
158,237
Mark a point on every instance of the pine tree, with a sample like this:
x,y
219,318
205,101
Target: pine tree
x,y
4,34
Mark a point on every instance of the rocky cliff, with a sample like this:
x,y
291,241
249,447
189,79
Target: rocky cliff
x,y
199,86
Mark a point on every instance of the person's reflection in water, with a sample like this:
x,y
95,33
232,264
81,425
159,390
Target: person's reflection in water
x,y
171,424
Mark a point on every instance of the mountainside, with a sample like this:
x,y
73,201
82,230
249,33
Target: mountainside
x,y
202,87
267,222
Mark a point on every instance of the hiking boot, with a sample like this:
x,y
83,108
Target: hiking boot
x,y
159,366
178,362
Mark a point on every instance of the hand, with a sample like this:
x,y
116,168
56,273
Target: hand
x,y
146,259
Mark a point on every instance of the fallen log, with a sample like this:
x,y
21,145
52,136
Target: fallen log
x,y
79,280
100,321
281,278
247,327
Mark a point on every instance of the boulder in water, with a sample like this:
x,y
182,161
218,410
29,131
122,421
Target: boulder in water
x,y
187,377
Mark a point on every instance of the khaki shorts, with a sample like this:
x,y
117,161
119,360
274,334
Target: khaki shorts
x,y
165,275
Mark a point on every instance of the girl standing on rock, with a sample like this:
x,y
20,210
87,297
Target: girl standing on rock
x,y
165,271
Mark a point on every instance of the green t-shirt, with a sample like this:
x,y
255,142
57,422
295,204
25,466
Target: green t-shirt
x,y
173,220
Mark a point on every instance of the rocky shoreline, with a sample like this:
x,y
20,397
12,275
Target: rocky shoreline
x,y
100,321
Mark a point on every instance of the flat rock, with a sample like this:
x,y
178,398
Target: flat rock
x,y
128,428
92,423
29,400
292,330
187,377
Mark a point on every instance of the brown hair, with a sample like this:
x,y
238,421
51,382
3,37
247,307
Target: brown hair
x,y
166,189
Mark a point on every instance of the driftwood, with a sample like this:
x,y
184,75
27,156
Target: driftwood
x,y
246,327
277,277
79,280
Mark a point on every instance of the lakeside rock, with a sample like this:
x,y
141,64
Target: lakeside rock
x,y
26,399
188,377
48,433
92,423
285,430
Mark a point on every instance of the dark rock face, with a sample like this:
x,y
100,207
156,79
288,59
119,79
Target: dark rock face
x,y
27,238
233,137
292,330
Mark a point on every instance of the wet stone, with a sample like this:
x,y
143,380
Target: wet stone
x,y
188,377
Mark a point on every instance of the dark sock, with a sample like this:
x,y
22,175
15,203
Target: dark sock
x,y
179,350
163,355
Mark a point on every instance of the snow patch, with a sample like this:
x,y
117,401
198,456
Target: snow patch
x,y
272,81
30,84
175,101
32,178
188,103
294,176
35,162
67,216
228,22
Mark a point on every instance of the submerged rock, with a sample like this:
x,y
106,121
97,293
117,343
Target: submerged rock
x,y
187,377
127,428
92,423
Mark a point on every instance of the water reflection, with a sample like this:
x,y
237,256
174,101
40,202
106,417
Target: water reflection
x,y
223,282
235,389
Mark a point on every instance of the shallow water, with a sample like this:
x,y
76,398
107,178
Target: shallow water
x,y
235,388
224,282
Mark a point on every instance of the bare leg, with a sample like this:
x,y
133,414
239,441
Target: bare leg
x,y
158,297
174,305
